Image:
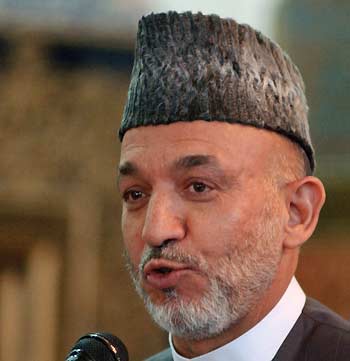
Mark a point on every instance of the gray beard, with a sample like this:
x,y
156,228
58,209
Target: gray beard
x,y
236,282
235,287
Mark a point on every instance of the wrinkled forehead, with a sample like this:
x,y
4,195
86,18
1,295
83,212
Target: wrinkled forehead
x,y
233,145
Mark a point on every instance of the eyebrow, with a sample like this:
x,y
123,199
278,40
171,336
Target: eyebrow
x,y
196,160
184,163
128,168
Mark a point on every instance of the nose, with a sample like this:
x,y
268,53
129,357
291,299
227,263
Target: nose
x,y
164,221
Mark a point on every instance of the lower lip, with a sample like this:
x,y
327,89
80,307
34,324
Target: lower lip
x,y
168,280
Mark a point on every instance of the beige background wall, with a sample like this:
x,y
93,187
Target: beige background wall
x,y
61,271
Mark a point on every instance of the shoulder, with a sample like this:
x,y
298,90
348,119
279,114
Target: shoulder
x,y
318,335
330,331
322,316
162,356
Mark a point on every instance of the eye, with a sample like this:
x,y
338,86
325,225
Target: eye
x,y
133,195
199,187
199,190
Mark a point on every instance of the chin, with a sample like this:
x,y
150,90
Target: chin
x,y
191,315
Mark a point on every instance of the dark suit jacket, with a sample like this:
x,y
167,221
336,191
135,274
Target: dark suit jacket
x,y
318,335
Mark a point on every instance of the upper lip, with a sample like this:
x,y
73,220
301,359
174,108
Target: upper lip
x,y
159,263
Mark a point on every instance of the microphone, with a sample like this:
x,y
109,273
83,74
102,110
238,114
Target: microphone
x,y
99,346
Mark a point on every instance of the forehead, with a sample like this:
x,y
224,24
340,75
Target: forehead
x,y
234,145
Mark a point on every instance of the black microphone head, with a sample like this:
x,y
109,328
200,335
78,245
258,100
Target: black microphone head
x,y
99,346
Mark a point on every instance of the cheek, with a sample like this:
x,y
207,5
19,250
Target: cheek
x,y
132,240
215,230
225,226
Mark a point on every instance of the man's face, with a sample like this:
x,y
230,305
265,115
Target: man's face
x,y
202,221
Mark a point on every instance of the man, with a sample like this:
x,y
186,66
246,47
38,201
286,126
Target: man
x,y
218,194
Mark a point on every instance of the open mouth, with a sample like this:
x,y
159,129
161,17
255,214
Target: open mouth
x,y
162,266
163,270
164,274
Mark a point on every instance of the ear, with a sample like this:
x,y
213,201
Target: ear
x,y
305,199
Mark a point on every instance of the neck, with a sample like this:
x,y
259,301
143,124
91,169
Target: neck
x,y
193,348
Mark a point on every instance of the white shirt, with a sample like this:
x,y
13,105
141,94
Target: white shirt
x,y
263,340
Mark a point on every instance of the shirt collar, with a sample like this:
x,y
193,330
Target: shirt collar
x,y
263,340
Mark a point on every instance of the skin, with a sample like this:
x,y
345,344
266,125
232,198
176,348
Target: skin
x,y
200,207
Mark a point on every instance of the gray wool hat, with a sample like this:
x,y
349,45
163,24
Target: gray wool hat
x,y
202,67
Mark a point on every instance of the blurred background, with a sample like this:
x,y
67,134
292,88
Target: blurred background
x,y
64,72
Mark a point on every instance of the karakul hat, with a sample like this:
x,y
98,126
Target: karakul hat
x,y
202,67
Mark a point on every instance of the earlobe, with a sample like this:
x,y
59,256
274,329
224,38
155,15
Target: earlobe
x,y
304,201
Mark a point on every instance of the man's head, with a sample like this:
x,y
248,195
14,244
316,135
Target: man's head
x,y
214,210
